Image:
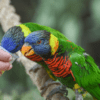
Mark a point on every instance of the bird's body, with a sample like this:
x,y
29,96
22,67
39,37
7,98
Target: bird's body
x,y
13,41
67,61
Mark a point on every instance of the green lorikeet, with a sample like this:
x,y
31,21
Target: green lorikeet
x,y
67,61
13,41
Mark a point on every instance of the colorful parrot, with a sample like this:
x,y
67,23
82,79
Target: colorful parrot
x,y
68,62
14,39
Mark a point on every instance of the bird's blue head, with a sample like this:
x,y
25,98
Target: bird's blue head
x,y
39,40
13,39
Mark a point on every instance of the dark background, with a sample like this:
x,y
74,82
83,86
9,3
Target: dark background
x,y
79,20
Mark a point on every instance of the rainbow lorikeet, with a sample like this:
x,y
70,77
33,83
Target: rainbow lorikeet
x,y
13,41
68,62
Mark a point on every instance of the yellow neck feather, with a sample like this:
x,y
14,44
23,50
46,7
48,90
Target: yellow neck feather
x,y
54,43
25,30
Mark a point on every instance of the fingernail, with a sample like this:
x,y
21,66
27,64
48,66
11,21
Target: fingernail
x,y
10,66
10,58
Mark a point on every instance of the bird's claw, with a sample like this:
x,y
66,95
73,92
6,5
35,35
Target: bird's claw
x,y
78,96
60,89
47,84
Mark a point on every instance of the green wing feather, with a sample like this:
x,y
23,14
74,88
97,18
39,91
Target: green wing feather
x,y
84,68
86,73
36,27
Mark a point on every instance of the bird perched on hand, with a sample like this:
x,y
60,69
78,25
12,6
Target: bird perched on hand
x,y
67,61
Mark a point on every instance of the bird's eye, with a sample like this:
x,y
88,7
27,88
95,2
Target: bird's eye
x,y
39,42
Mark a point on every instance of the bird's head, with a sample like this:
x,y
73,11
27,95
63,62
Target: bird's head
x,y
43,43
13,39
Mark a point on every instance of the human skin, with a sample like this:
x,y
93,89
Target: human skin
x,y
4,61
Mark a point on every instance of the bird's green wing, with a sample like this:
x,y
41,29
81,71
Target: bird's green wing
x,y
86,73
35,27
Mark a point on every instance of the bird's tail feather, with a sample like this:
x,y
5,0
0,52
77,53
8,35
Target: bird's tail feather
x,y
95,92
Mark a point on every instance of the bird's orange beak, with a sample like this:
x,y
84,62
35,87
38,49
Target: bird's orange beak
x,y
27,50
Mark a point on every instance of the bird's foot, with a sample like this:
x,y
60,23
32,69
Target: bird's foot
x,y
35,68
47,84
60,89
78,96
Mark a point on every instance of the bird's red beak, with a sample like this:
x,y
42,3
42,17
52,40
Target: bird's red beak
x,y
27,50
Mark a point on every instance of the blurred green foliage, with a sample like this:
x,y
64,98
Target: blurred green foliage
x,y
79,20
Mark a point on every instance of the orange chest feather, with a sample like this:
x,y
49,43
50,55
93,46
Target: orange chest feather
x,y
60,66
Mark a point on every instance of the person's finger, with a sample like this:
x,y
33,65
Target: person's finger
x,y
5,56
5,66
10,67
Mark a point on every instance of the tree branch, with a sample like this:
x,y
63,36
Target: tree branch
x,y
9,18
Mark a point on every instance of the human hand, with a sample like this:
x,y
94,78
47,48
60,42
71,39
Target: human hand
x,y
4,61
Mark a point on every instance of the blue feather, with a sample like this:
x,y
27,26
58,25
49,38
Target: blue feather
x,y
42,48
13,39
